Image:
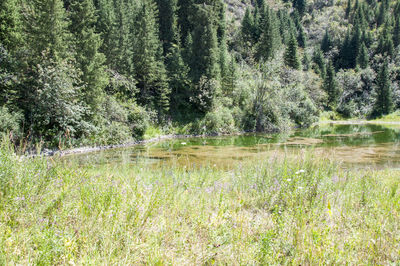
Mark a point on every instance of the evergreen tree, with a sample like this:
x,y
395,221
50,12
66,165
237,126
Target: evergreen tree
x,y
301,37
87,45
383,12
291,57
300,6
47,30
185,23
124,14
306,61
247,27
167,19
179,82
10,25
107,27
204,61
384,102
326,44
385,42
362,58
348,9
330,86
319,60
150,71
270,39
396,32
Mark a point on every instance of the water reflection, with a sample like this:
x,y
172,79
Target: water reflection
x,y
363,145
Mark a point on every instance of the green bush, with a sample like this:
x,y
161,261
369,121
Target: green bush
x,y
10,121
138,121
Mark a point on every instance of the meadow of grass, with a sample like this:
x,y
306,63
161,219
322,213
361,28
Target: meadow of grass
x,y
281,210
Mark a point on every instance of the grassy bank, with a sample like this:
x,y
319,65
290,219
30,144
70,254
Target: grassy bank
x,y
293,210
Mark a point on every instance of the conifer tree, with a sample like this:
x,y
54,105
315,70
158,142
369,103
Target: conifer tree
x,y
300,6
124,15
396,32
385,42
270,39
179,82
204,61
167,19
291,57
362,58
383,12
185,23
107,27
326,44
383,103
150,72
301,37
87,45
10,24
47,29
330,86
348,9
320,66
247,27
306,61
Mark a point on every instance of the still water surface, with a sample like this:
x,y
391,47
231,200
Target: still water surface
x,y
356,146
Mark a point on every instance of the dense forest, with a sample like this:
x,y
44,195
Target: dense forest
x,y
103,71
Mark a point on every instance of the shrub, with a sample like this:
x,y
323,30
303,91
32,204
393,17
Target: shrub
x,y
10,121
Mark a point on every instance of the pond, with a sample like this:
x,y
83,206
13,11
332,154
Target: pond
x,y
355,145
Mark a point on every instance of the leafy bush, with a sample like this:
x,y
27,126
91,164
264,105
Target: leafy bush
x,y
10,121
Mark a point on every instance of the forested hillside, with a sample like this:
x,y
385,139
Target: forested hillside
x,y
103,71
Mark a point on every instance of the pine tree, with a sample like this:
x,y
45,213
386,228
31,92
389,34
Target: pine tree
x,y
124,15
362,58
270,39
300,6
150,71
320,66
247,27
107,27
47,29
301,37
291,57
385,42
10,25
383,12
167,19
348,9
306,61
87,45
205,46
326,44
185,23
396,32
330,86
179,82
383,103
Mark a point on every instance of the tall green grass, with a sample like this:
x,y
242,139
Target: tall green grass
x,y
292,210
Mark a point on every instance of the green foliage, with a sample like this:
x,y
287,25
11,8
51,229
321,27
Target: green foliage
x,y
47,30
291,58
10,122
150,72
270,41
53,106
10,24
88,58
384,102
330,86
167,19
